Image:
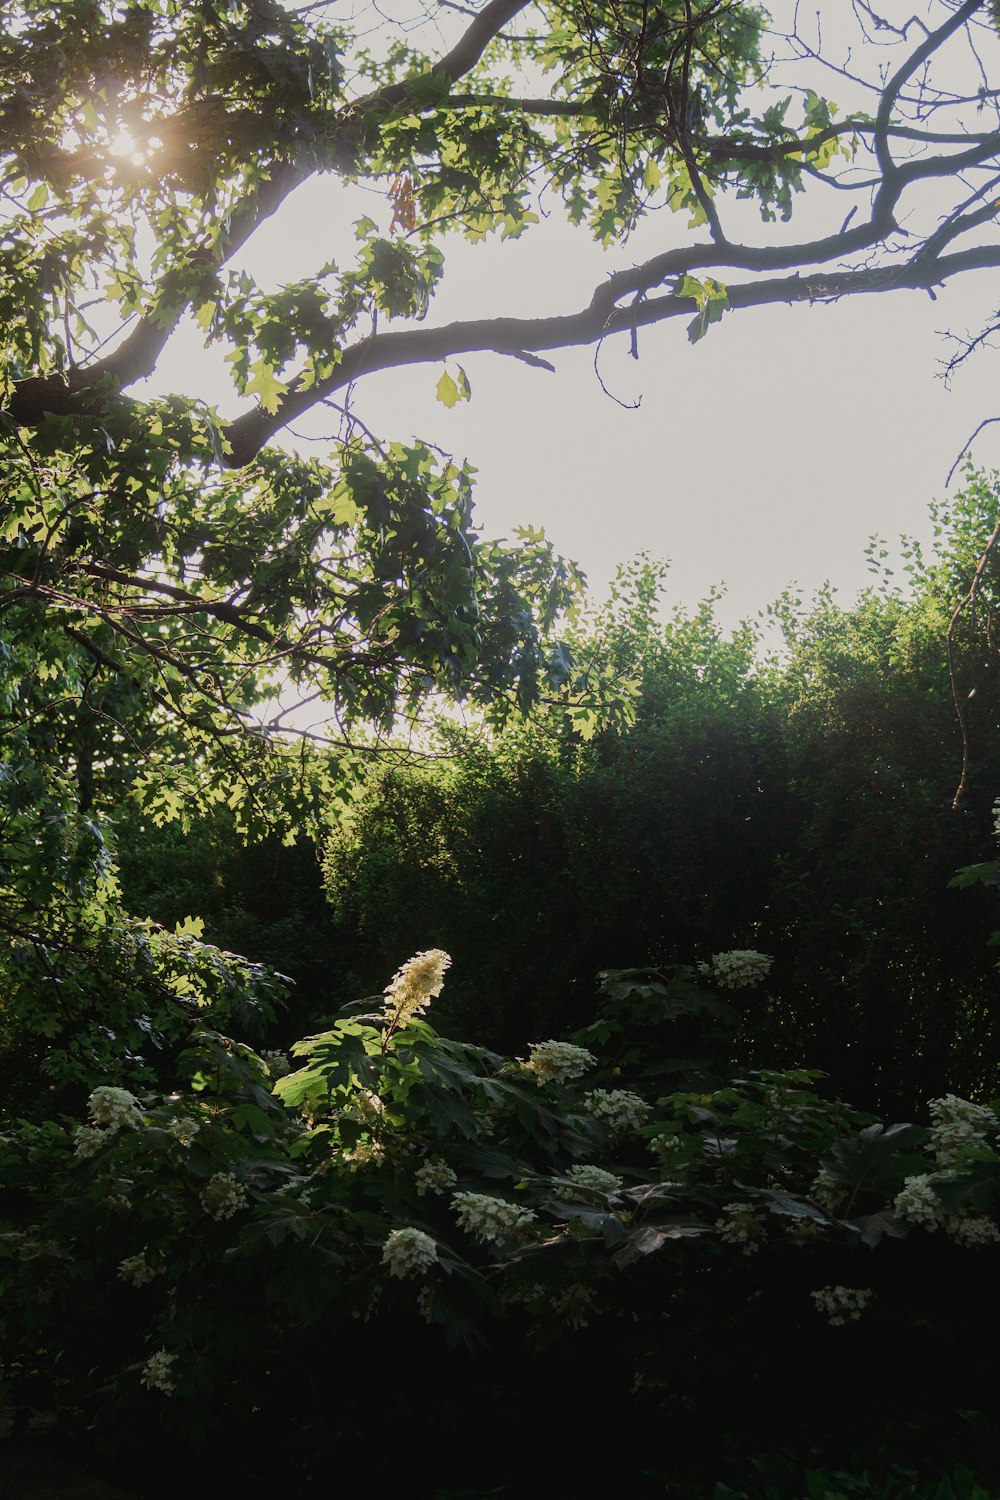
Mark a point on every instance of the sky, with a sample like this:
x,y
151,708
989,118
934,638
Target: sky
x,y
761,458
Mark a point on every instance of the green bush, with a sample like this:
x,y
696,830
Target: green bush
x,y
602,1226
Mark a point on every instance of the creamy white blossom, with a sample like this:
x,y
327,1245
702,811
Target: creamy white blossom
x,y
415,985
738,969
434,1176
409,1252
669,1150
740,1224
617,1108
958,1123
826,1190
557,1062
88,1140
366,1107
136,1270
184,1129
116,1109
276,1063
918,1203
842,1304
156,1373
589,1179
222,1196
490,1218
364,1154
574,1305
971,1231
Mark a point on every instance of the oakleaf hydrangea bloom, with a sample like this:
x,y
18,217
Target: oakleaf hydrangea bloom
x,y
114,1108
409,1252
826,1190
589,1179
276,1063
738,969
434,1176
490,1218
574,1305
556,1062
184,1129
135,1270
740,1224
617,1108
415,985
364,1154
669,1150
89,1140
842,1304
156,1374
802,1231
958,1123
222,1196
917,1202
971,1231
365,1107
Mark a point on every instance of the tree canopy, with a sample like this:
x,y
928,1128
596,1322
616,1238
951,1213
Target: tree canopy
x,y
193,570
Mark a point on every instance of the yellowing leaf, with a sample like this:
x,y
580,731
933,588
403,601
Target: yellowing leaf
x,y
446,391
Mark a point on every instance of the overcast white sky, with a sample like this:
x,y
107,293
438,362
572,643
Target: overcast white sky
x,y
764,456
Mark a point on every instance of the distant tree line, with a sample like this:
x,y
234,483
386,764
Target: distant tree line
x,y
800,801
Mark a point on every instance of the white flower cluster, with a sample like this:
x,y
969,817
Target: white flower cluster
x,y
617,1108
110,1109
738,969
574,1305
826,1190
740,1224
415,985
669,1150
803,1231
184,1129
971,1231
276,1063
364,1154
156,1374
135,1270
490,1218
89,1140
409,1252
842,1304
222,1195
556,1062
590,1180
917,1202
115,1109
434,1176
958,1123
366,1108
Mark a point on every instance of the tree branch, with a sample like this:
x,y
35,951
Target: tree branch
x,y
248,434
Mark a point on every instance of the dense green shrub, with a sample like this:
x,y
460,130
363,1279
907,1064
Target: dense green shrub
x,y
603,1227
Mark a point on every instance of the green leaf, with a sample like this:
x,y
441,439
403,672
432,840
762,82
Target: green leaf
x,y
265,385
447,391
190,927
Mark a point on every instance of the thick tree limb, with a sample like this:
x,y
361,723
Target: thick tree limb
x,y
248,434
